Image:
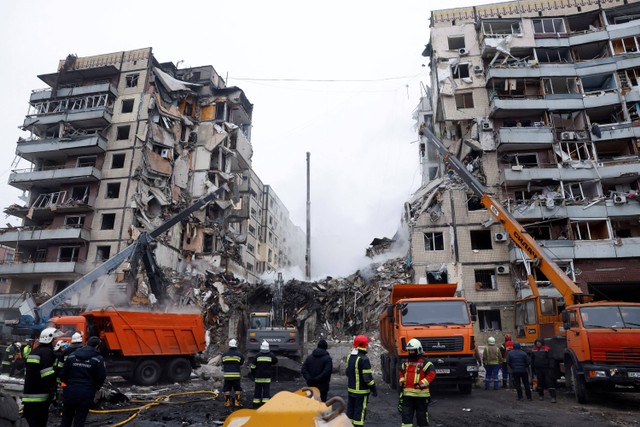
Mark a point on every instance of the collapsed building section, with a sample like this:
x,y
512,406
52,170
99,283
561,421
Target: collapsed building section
x,y
114,146
539,101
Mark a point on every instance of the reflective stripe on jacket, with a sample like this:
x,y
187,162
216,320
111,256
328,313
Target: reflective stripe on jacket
x,y
359,372
232,361
416,377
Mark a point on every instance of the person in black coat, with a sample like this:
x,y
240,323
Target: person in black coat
x,y
518,363
83,374
317,369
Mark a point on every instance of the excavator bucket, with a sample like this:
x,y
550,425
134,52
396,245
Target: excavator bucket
x,y
298,409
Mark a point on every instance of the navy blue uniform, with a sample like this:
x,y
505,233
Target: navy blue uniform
x,y
83,374
360,385
39,385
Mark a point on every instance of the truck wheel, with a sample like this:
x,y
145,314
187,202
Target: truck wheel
x,y
579,385
393,373
147,372
178,370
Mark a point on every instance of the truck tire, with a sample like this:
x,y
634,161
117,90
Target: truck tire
x,y
579,385
147,372
384,365
178,370
393,373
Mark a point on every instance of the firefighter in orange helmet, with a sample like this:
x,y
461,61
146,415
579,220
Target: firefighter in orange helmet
x,y
360,381
416,374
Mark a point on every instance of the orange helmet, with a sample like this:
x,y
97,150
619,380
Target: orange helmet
x,y
361,341
507,337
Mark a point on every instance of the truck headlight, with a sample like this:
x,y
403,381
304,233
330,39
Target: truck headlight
x,y
472,368
598,374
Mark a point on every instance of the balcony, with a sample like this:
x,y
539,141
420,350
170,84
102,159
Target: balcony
x,y
39,268
37,235
240,211
620,173
60,148
533,211
584,249
525,137
616,131
53,177
47,205
77,91
517,106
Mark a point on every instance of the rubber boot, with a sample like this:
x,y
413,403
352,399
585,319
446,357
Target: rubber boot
x,y
227,401
238,401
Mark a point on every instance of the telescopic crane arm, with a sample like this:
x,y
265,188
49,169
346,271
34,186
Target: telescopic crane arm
x,y
567,288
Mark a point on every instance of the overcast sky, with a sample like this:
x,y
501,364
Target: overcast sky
x,y
338,79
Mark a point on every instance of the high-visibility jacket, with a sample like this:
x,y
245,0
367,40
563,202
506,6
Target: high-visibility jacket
x,y
26,350
232,361
9,354
40,377
359,373
416,376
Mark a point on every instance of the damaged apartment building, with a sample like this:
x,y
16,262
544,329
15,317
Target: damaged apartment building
x,y
117,144
541,101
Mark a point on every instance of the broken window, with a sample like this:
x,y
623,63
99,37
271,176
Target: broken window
x,y
439,276
474,204
108,221
103,253
132,80
501,27
464,100
220,111
522,196
113,190
456,42
80,193
529,160
489,320
127,105
117,161
596,229
577,151
434,241
625,45
560,85
480,239
549,26
252,230
86,161
249,267
75,221
60,285
460,71
68,254
485,279
560,55
590,51
123,132
598,83
250,248
539,232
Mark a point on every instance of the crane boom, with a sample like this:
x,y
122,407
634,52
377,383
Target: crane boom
x,y
558,278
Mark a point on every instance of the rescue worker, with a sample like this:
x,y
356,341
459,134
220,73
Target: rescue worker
x,y
76,343
58,351
261,372
317,368
360,381
416,374
40,380
26,349
9,359
505,349
232,361
492,361
542,364
17,369
518,362
83,374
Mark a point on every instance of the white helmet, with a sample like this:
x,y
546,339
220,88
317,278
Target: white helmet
x,y
414,345
18,344
233,343
76,338
264,347
47,335
60,345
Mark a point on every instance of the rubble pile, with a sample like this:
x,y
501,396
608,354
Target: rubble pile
x,y
338,307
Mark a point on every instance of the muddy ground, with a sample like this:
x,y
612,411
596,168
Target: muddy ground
x,y
448,408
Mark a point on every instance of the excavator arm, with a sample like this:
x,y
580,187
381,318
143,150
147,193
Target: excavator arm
x,y
567,288
140,250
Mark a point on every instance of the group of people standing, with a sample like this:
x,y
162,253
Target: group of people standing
x,y
516,363
78,369
13,358
415,376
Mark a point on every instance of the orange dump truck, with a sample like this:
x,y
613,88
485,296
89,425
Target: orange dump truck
x,y
142,346
442,322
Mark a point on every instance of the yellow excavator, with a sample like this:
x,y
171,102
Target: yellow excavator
x,y
293,409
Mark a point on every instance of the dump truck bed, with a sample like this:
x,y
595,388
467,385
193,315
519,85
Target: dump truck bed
x,y
136,333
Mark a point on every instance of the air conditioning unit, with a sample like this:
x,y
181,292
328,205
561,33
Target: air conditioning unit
x,y
568,136
463,51
538,124
549,203
500,237
164,153
478,69
619,200
486,124
502,269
